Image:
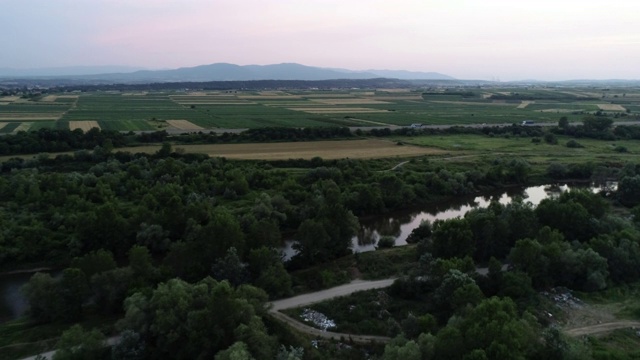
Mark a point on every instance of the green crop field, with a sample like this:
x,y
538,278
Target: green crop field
x,y
252,109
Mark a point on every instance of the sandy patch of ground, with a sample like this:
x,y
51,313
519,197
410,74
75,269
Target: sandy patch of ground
x,y
84,125
142,93
4,103
329,110
349,101
524,104
184,125
611,107
2,125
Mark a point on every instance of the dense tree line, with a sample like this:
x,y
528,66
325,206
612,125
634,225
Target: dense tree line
x,y
127,227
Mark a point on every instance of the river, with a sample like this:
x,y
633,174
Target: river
x,y
400,224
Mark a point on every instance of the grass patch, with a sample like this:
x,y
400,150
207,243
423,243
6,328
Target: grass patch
x,y
20,338
619,344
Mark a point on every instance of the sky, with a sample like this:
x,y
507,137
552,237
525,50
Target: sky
x,y
467,39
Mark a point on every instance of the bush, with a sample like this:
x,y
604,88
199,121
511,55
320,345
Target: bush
x,y
550,138
386,242
574,144
620,149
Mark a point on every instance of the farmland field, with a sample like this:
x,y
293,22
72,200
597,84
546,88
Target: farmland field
x,y
354,149
154,110
83,125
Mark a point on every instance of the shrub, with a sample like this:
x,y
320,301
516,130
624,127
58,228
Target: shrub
x,y
574,144
386,242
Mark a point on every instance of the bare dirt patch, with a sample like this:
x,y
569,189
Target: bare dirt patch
x,y
2,125
611,107
184,125
84,125
4,103
354,149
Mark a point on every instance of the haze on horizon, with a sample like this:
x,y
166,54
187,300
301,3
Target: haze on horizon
x,y
467,39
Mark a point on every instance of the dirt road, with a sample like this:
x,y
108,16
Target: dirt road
x,y
601,328
307,299
318,296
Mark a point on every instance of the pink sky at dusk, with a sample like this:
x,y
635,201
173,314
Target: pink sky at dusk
x,y
466,39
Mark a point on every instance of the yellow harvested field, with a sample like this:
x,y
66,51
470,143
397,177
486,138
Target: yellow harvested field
x,y
4,103
611,107
3,125
184,125
524,104
142,93
85,125
9,98
49,98
349,101
337,110
354,149
29,116
25,126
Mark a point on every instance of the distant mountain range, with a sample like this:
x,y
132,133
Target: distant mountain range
x,y
215,72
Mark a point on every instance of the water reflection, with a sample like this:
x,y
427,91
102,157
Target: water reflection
x,y
400,224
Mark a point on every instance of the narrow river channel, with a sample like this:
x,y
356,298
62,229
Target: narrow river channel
x,y
400,224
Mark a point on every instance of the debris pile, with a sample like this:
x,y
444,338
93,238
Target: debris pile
x,y
318,319
563,298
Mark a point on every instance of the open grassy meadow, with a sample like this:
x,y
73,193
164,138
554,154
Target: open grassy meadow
x,y
202,110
